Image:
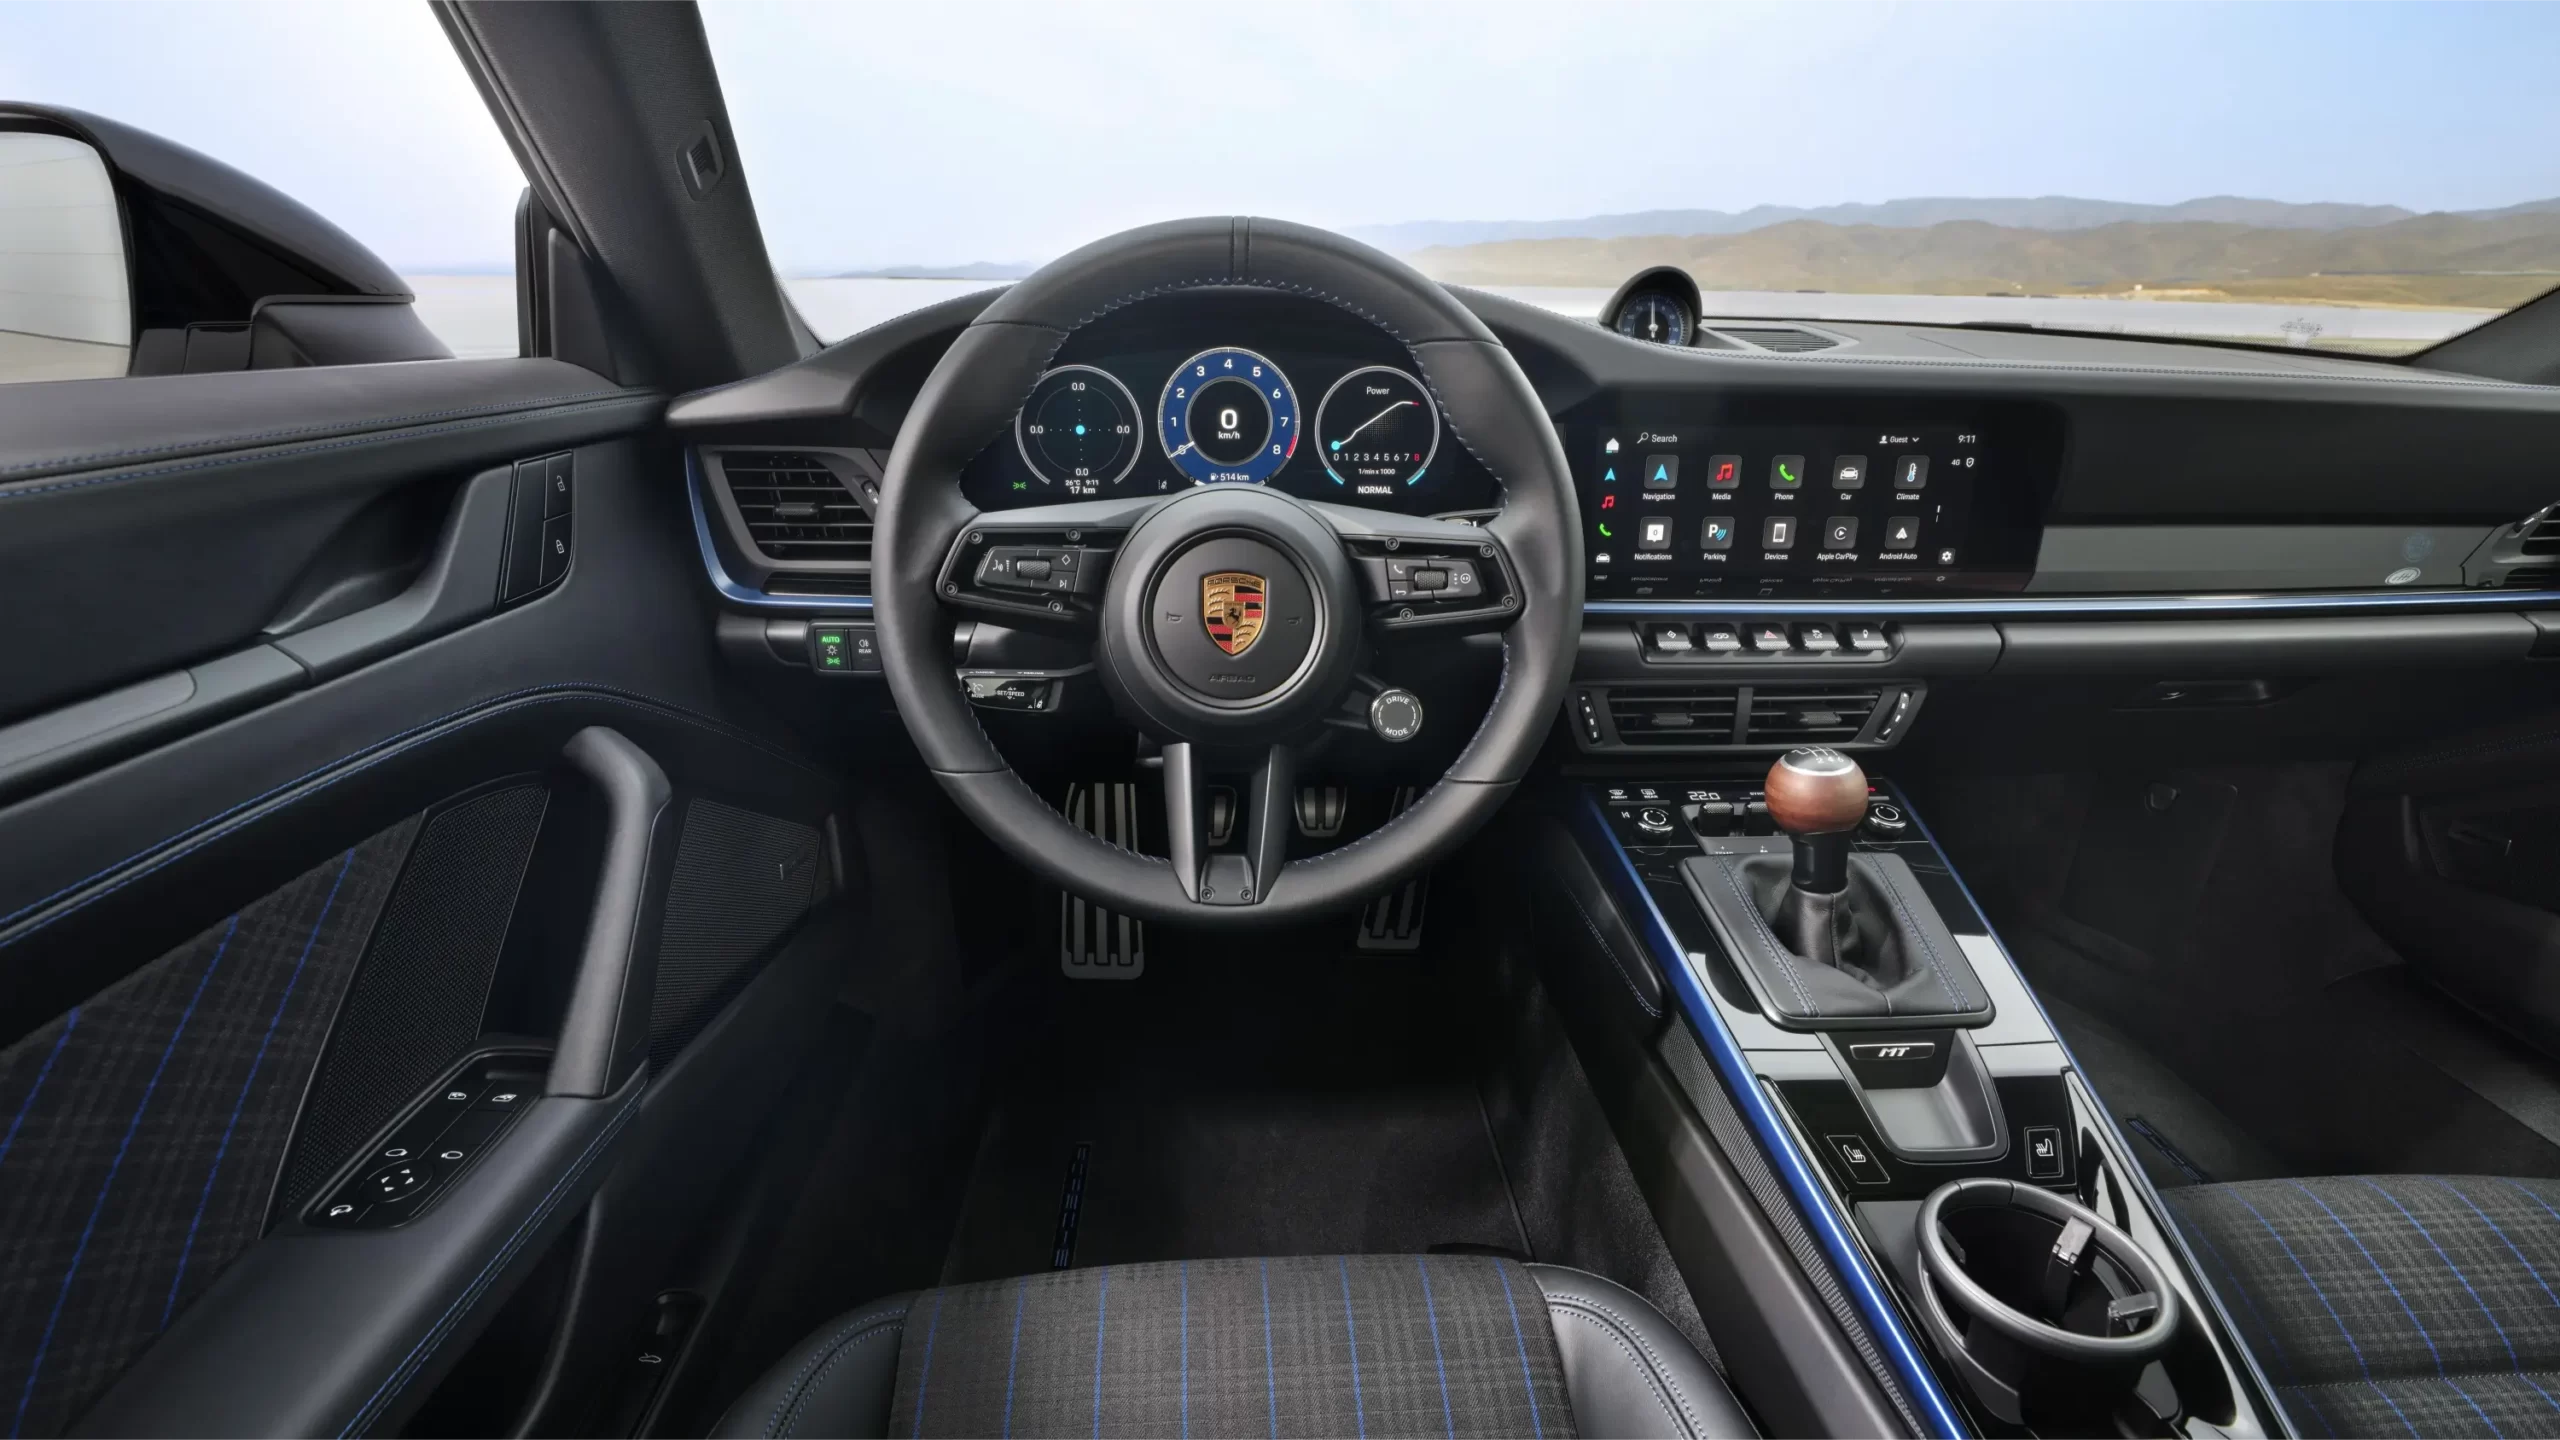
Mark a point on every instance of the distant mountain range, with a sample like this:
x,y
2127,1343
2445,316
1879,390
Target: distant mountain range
x,y
2491,259
2047,212
974,270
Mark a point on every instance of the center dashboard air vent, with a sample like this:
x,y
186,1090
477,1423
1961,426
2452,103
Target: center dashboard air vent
x,y
1765,716
795,506
1809,714
1683,715
1785,340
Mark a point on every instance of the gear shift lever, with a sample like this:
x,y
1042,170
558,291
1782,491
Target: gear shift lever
x,y
1818,796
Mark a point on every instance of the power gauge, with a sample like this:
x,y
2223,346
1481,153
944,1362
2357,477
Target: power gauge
x,y
1377,431
1079,430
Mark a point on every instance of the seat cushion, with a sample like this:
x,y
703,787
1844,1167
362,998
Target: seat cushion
x,y
2392,1304
1445,1345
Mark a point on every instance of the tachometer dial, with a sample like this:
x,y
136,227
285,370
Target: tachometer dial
x,y
1079,429
1376,431
1228,417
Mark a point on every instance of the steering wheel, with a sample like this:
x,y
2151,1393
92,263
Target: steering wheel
x,y
1230,620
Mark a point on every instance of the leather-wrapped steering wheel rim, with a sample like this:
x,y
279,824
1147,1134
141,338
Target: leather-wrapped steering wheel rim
x,y
969,401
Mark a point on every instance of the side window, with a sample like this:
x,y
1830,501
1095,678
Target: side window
x,y
66,310
157,221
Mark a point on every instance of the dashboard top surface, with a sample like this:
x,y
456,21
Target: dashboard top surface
x,y
2134,442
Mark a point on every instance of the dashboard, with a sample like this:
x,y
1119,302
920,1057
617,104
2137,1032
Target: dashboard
x,y
1232,388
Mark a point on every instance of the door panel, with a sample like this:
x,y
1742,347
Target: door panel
x,y
243,954
147,1123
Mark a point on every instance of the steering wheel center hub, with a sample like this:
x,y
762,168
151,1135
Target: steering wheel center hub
x,y
1232,617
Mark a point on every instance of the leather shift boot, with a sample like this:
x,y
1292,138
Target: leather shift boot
x,y
1877,953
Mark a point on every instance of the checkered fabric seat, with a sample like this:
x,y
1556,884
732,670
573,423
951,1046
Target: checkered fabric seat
x,y
2392,1304
1368,1345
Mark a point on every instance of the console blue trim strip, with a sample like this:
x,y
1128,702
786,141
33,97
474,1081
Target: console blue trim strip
x,y
2031,607
1813,1202
729,587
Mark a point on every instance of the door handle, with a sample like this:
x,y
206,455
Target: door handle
x,y
604,1036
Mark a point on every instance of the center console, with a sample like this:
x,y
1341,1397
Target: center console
x,y
1929,1126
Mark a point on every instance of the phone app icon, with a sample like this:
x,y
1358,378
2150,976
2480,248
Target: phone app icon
x,y
1787,473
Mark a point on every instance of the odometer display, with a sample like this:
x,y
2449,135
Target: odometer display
x,y
1376,431
1079,430
1228,417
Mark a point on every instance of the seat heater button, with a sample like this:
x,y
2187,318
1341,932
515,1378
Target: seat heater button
x,y
2044,1152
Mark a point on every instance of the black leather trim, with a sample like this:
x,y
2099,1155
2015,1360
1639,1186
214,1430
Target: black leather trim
x,y
1627,1370
1909,974
839,1381
73,426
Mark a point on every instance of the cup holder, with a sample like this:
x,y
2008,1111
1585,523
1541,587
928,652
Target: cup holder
x,y
2050,1312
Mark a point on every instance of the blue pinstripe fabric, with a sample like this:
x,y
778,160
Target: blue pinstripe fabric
x,y
149,1124
1223,1347
2416,1305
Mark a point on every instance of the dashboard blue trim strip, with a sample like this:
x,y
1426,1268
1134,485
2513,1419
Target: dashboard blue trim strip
x,y
728,586
2028,607
1813,1202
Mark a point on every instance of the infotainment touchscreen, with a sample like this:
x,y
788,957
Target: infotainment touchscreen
x,y
1676,508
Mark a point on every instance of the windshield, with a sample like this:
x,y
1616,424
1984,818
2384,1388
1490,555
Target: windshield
x,y
2369,178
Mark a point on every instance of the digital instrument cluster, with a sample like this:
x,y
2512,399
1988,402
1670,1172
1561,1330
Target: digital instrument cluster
x,y
1313,405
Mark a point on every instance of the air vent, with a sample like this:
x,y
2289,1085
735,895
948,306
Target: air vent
x,y
1688,715
795,507
1783,340
1808,714
786,583
2543,538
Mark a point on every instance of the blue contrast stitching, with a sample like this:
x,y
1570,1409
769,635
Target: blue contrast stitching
x,y
1431,1312
2378,1271
241,1101
2362,1368
1537,1427
98,1206
70,1022
1101,1321
1751,907
2467,1289
406,1370
1271,1372
791,1392
1019,1288
835,1357
1359,1407
388,422
1957,996
376,753
924,1373
1184,1271
377,437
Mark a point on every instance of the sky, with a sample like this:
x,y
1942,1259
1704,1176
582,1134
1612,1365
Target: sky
x,y
881,134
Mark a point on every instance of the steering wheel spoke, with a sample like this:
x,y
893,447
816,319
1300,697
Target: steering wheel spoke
x,y
1418,573
1264,808
1044,567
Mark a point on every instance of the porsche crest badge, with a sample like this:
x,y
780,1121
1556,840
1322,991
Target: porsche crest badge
x,y
1231,606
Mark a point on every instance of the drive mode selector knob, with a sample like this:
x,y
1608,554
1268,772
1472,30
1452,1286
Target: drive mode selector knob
x,y
1395,716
